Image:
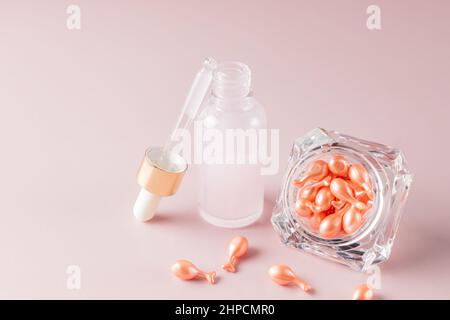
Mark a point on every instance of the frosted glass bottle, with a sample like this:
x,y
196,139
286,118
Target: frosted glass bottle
x,y
231,192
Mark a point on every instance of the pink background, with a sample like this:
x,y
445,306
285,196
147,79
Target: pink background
x,y
78,109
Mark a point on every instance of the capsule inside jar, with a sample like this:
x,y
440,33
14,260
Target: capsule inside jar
x,y
334,196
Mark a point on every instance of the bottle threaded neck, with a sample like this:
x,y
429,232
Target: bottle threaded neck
x,y
231,80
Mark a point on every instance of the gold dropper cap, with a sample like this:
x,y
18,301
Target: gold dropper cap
x,y
159,176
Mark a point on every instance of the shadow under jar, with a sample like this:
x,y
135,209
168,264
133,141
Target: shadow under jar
x,y
390,180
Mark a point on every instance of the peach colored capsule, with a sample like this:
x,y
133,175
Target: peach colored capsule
x,y
316,172
323,200
358,191
338,165
363,292
362,196
331,225
302,208
369,206
359,176
338,204
309,192
283,275
341,189
352,220
237,248
316,219
186,270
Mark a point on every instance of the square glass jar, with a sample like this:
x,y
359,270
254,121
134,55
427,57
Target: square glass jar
x,y
371,244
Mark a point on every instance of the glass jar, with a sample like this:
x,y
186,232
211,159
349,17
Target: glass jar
x,y
390,181
231,187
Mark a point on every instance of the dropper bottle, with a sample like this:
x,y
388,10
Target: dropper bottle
x,y
162,169
231,186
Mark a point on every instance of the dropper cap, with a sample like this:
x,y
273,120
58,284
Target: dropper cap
x,y
157,179
162,170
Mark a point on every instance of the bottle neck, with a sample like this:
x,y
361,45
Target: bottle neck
x,y
231,80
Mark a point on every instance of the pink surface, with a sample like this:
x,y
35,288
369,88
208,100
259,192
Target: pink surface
x,y
78,108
